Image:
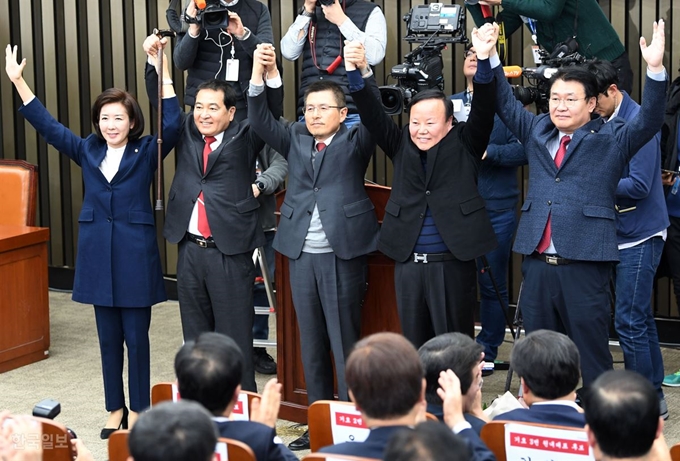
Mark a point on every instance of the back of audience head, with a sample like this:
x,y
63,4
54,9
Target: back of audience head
x,y
209,371
428,441
549,364
173,432
622,413
384,376
455,351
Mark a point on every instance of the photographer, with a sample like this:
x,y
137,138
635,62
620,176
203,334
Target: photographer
x,y
209,53
333,22
554,21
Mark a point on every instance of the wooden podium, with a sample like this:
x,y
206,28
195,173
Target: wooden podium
x,y
379,313
24,304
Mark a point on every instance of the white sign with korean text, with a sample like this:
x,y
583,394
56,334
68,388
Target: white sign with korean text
x,y
175,393
347,425
533,443
221,452
240,411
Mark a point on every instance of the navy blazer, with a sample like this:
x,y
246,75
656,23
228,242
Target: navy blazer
x,y
377,440
118,262
560,415
579,196
335,184
257,436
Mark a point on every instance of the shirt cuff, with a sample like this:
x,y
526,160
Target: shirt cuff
x,y
275,82
193,36
255,90
460,427
246,34
658,76
495,61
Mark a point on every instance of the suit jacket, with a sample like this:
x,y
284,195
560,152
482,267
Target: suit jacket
x,y
118,262
230,205
262,439
579,196
335,184
560,415
377,440
448,187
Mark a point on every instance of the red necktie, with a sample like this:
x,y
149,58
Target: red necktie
x,y
544,243
320,146
203,226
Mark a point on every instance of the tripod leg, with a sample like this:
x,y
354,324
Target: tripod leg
x,y
518,331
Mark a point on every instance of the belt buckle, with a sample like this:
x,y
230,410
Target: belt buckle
x,y
551,260
420,258
202,243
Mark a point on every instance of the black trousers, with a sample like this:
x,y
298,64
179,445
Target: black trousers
x,y
573,299
435,298
215,293
327,293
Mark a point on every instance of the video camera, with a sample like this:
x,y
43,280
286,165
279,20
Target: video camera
x,y
212,14
434,25
564,54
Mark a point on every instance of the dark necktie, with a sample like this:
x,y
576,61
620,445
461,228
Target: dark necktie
x,y
544,243
319,147
203,226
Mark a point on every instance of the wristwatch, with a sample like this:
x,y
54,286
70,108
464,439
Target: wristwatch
x,y
304,12
260,185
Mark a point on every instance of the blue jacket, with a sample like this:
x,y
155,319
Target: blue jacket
x,y
257,436
118,263
497,181
560,415
579,196
640,187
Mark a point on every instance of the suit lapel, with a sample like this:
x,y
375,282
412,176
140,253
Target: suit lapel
x,y
306,148
129,158
229,135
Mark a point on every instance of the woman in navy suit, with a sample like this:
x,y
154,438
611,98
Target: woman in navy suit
x,y
118,267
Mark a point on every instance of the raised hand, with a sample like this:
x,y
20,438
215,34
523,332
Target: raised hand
x,y
484,39
355,55
452,398
653,53
14,69
235,26
334,13
264,61
266,409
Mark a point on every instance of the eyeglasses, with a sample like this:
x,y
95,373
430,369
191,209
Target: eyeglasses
x,y
469,53
323,108
569,102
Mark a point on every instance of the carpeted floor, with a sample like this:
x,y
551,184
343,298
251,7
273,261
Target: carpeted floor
x,y
72,373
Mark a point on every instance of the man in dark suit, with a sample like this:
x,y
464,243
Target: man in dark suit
x,y
568,223
327,224
435,221
212,215
387,385
465,357
209,371
548,365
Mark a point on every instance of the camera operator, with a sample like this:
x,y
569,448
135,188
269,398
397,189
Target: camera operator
x,y
568,225
498,187
318,34
555,21
209,53
435,222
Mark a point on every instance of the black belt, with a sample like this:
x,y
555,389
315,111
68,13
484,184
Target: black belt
x,y
553,260
200,241
432,257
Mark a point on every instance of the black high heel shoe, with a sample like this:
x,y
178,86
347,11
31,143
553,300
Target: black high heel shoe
x,y
106,432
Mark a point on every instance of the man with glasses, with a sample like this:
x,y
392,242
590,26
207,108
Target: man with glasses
x,y
327,224
568,225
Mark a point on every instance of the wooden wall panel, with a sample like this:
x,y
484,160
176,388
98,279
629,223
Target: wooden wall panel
x,y
76,48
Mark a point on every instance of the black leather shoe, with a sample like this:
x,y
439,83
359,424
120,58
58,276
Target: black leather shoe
x,y
263,362
107,431
301,443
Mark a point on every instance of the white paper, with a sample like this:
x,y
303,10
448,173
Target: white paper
x,y
221,452
533,443
240,411
347,425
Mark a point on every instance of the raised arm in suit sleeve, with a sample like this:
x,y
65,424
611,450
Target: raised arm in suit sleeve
x,y
513,114
265,125
642,170
477,130
364,92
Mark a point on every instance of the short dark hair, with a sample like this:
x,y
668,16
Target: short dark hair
x,y
577,74
173,432
113,96
209,370
433,93
430,440
326,85
605,73
220,85
385,375
549,363
622,409
454,351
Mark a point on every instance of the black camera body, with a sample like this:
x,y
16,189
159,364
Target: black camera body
x,y
434,26
214,15
324,2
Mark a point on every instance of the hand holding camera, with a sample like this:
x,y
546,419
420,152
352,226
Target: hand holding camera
x,y
333,12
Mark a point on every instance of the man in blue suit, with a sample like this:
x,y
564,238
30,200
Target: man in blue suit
x,y
209,372
386,383
568,225
642,220
547,363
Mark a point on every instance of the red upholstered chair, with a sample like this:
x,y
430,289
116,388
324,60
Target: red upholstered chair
x,y
18,192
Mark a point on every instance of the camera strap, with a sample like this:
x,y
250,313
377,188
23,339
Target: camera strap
x,y
311,36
